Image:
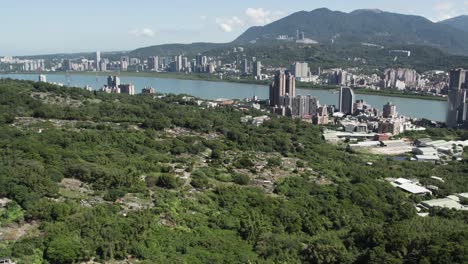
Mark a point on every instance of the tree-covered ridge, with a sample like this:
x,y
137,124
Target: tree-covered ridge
x,y
130,156
369,26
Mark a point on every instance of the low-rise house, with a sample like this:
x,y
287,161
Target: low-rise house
x,y
365,144
410,186
428,158
423,142
259,120
426,151
450,202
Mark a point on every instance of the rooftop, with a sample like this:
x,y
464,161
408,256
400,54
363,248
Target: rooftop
x,y
445,203
427,157
413,188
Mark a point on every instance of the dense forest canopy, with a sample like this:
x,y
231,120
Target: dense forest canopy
x,y
90,175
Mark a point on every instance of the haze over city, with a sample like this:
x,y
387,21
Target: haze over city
x,y
49,26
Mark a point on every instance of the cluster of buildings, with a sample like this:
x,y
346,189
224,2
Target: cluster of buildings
x,y
457,113
114,86
300,38
361,117
414,187
433,151
239,66
355,115
284,101
400,79
396,79
23,64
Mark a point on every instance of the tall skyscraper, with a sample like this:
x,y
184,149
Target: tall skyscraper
x,y
400,78
178,63
153,63
98,61
284,84
257,69
389,110
103,65
67,65
124,62
346,100
198,59
245,66
113,81
300,70
457,98
127,89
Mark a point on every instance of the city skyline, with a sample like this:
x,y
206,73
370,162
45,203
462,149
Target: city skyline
x,y
128,25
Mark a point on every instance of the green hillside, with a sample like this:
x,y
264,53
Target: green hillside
x,y
370,26
163,180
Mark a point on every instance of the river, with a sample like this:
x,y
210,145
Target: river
x,y
419,108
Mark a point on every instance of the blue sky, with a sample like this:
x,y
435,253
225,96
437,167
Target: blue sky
x,y
53,26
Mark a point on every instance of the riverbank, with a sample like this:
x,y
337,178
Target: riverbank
x,y
213,78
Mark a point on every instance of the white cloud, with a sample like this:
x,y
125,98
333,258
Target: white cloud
x,y
251,17
229,24
443,6
144,32
203,17
260,16
444,10
225,27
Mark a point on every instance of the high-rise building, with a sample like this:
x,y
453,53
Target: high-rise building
x,y
103,65
67,65
148,90
153,63
321,118
301,70
42,78
389,110
198,59
346,100
257,69
299,106
178,63
113,81
127,89
457,113
98,61
245,66
390,126
284,84
124,62
400,78
338,77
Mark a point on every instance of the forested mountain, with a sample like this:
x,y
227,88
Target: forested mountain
x,y
370,26
460,22
146,179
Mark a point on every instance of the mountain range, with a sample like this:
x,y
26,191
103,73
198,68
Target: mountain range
x,y
460,22
371,26
366,26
